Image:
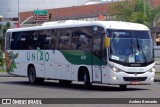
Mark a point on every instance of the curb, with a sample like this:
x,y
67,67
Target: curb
x,y
5,74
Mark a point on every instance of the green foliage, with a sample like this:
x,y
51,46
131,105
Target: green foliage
x,y
2,70
138,11
1,59
3,29
121,10
0,27
157,73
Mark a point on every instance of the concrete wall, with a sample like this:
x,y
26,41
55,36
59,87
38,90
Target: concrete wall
x,y
157,57
157,51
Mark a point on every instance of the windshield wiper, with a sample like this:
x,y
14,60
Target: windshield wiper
x,y
140,48
132,46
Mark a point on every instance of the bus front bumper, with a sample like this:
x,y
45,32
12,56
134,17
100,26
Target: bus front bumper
x,y
131,79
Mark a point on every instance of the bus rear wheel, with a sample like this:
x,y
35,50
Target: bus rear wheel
x,y
87,83
32,76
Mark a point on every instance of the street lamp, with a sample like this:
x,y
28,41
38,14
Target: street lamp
x,y
26,20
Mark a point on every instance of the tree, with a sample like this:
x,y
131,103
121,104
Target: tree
x,y
3,29
1,59
138,11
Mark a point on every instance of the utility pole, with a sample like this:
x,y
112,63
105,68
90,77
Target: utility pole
x,y
18,24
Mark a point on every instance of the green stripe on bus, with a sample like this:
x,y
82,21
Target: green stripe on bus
x,y
78,57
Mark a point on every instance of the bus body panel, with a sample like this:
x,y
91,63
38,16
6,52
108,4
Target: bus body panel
x,y
64,64
50,68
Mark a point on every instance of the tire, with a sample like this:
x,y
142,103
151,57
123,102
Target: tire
x,y
32,76
123,87
87,84
65,82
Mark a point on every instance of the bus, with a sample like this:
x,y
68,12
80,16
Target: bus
x,y
93,52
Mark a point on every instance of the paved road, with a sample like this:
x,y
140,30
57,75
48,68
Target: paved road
x,y
18,87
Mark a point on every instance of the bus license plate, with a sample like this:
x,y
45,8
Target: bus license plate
x,y
134,82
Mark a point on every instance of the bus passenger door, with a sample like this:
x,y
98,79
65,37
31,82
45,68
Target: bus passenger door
x,y
96,59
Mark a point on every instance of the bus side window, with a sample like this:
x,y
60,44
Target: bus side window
x,y
30,40
34,39
14,40
75,40
41,39
97,46
8,35
85,38
64,40
50,40
22,41
47,38
85,43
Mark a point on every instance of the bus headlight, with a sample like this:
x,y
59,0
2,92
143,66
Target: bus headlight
x,y
115,69
152,69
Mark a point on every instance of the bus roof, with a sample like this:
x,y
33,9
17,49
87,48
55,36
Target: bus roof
x,y
74,23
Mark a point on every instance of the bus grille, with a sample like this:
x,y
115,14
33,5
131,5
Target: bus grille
x,y
134,78
135,72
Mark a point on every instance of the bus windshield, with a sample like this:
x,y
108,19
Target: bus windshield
x,y
131,46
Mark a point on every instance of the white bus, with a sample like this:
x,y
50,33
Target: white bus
x,y
101,52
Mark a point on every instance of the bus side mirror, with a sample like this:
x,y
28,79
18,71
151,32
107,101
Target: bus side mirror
x,y
107,42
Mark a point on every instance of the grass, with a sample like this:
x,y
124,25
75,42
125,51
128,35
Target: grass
x,y
2,70
157,73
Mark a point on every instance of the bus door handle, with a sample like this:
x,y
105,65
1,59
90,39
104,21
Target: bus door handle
x,y
59,65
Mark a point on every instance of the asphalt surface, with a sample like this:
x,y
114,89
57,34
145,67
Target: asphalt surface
x,y
19,87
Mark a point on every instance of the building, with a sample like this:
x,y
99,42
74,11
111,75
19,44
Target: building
x,y
74,12
89,11
9,8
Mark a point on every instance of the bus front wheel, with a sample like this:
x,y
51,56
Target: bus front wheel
x,y
87,83
32,76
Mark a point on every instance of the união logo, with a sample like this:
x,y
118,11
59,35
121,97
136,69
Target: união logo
x,y
38,55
